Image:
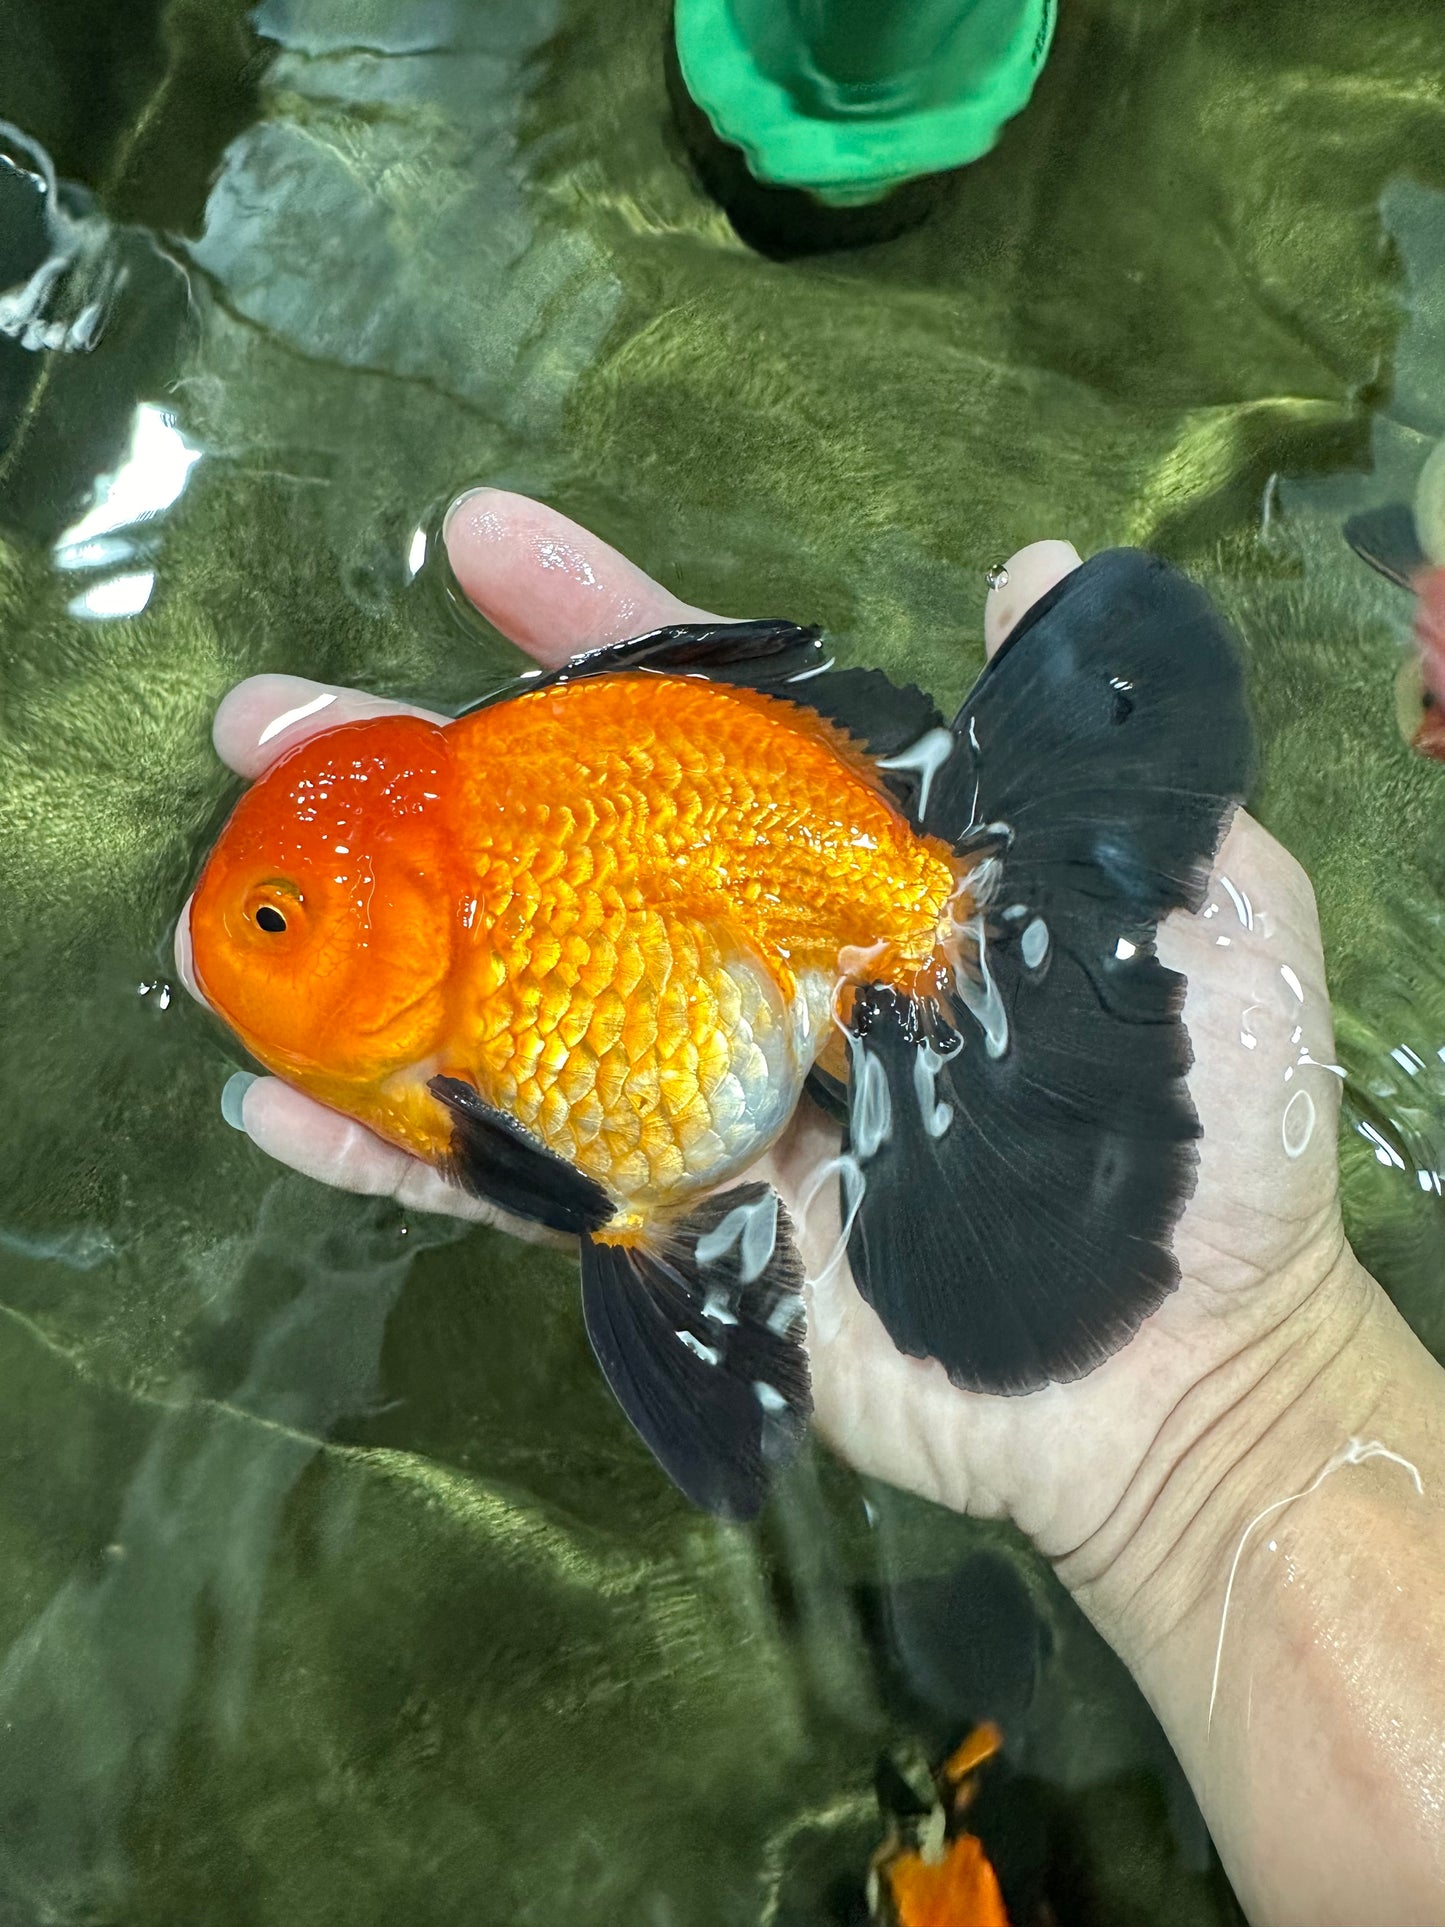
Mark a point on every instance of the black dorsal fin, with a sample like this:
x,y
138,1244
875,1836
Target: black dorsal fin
x,y
777,657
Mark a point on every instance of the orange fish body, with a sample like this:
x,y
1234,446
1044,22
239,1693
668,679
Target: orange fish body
x,y
582,947
958,1889
619,908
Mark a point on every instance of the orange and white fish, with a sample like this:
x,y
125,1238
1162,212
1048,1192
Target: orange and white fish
x,y
931,1871
583,947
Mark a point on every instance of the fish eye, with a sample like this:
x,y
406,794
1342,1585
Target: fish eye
x,y
275,906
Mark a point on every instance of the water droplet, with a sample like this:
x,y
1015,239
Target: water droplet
x,y
1298,1124
997,577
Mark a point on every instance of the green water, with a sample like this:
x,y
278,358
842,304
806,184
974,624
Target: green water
x,y
333,1586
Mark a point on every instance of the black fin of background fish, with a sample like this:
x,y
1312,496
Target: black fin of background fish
x,y
496,1158
1025,1169
780,659
704,1357
1387,539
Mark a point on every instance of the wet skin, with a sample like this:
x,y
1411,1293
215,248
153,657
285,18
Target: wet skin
x,y
1139,1479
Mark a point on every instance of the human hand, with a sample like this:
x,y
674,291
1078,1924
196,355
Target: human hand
x,y
1259,1243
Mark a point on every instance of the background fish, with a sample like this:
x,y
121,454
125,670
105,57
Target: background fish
x,y
1387,538
583,947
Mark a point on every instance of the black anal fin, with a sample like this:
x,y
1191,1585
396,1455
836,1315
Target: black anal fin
x,y
1387,539
496,1158
1027,1149
700,1336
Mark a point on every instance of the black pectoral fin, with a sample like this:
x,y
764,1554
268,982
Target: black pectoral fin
x,y
780,658
1387,539
1018,1209
701,1339
496,1158
1110,735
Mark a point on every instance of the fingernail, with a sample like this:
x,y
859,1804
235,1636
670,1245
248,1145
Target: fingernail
x,y
233,1098
461,501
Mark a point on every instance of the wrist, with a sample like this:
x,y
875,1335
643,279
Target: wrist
x,y
1259,1426
1274,1578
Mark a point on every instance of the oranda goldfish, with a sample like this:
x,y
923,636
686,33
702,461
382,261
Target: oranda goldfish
x,y
583,947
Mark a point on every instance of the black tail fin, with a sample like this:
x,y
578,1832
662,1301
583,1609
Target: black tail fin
x,y
1036,1143
701,1340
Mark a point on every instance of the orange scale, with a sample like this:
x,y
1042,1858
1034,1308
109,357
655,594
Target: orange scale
x,y
678,1088
622,1132
668,1165
630,1172
553,1059
673,1027
555,1002
691,1122
611,1076
714,1061
587,1117
639,1029
609,1015
574,1022
526,1052
577,1078
528,1100
553,1115
643,1086
630,968
600,967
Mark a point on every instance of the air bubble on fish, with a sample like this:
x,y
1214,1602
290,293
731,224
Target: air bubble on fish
x,y
982,1000
1035,943
983,879
927,1063
709,1354
927,757
785,1314
870,1112
754,1227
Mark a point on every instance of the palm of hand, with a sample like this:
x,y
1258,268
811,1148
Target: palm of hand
x,y
1261,1228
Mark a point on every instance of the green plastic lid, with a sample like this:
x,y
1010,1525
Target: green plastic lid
x,y
850,98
